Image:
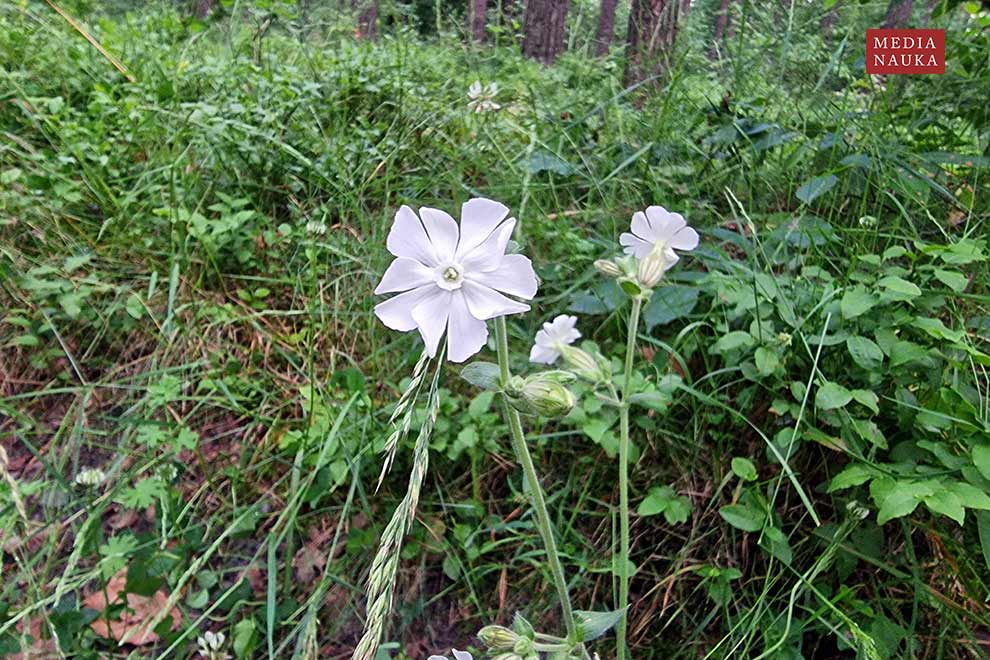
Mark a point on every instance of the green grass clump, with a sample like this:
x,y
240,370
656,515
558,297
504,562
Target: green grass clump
x,y
186,273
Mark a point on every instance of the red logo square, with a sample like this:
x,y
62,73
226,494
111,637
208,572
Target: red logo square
x,y
905,51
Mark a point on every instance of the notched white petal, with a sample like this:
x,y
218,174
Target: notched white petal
x,y
408,238
486,303
404,274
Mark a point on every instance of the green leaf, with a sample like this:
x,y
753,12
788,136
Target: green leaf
x,y
134,307
983,526
767,361
663,499
482,374
896,499
831,396
775,542
896,288
937,329
981,459
904,352
971,496
592,625
732,341
868,399
952,279
744,468
669,303
816,187
856,301
245,638
71,303
853,475
946,503
742,517
865,352
655,400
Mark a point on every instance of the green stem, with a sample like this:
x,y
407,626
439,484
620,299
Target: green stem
x,y
620,651
535,491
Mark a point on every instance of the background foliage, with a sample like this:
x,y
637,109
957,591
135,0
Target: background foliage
x,y
187,264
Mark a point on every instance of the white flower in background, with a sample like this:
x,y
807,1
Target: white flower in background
x,y
458,655
658,231
210,645
552,338
453,278
316,227
482,98
91,477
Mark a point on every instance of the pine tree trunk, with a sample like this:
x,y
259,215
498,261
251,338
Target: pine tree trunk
x,y
203,8
898,14
368,21
652,32
830,19
543,28
721,21
477,10
606,27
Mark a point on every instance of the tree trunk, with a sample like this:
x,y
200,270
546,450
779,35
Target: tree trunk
x,y
477,10
722,21
898,14
543,28
829,20
203,8
606,27
652,32
367,27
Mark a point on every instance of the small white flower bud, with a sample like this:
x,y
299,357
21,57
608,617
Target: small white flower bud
x,y
583,364
498,638
546,396
608,268
91,477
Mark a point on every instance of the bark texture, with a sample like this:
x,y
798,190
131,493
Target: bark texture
x,y
477,9
543,29
652,32
367,27
898,14
606,27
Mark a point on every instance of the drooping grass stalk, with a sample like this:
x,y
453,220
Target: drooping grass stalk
x,y
533,479
385,567
620,632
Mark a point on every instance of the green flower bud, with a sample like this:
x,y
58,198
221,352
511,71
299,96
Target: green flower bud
x,y
547,396
583,364
498,638
608,268
524,646
515,386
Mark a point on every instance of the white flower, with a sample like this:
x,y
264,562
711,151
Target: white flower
x,y
482,99
91,477
553,336
210,644
452,276
316,227
658,230
458,655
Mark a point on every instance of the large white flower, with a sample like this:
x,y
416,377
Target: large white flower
x,y
458,655
453,278
658,230
553,336
482,98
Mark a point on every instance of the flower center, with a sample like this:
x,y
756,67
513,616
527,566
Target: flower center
x,y
449,277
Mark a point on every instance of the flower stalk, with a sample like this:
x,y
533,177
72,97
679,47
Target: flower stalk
x,y
535,490
620,651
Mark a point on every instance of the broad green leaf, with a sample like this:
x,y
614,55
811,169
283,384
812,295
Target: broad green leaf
x,y
981,459
831,396
946,503
868,399
592,625
971,496
743,517
482,374
744,468
767,361
904,352
856,302
245,638
896,288
937,329
896,499
865,352
952,279
815,188
775,542
983,526
134,307
71,303
669,303
853,475
732,341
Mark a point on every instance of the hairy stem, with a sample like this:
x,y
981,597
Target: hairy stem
x,y
620,651
535,491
